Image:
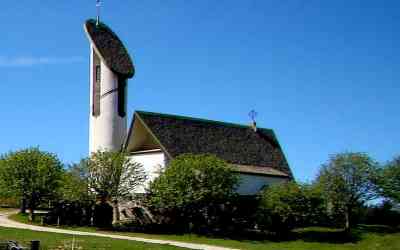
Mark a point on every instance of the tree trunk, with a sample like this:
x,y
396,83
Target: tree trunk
x,y
31,214
32,206
116,217
347,220
23,206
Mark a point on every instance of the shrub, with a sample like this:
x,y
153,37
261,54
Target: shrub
x,y
289,205
70,213
382,214
193,192
103,215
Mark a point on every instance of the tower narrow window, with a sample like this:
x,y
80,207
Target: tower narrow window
x,y
121,96
96,84
98,73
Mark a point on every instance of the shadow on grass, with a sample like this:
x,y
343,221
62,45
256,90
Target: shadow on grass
x,y
378,229
320,235
326,235
310,234
313,234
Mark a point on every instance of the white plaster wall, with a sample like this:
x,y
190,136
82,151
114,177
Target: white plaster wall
x,y
251,184
153,163
108,130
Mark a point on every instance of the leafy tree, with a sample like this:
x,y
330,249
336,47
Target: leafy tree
x,y
31,175
347,180
75,183
192,186
113,177
389,180
289,205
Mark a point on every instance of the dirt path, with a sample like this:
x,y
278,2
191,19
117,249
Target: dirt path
x,y
6,222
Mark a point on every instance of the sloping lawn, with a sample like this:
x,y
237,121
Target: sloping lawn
x,y
55,241
364,238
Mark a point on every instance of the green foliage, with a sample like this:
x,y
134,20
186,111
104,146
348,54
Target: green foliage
x,y
75,181
347,181
113,176
190,179
30,174
193,186
388,180
383,213
289,205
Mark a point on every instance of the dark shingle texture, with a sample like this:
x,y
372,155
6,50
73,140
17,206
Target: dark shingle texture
x,y
237,144
111,48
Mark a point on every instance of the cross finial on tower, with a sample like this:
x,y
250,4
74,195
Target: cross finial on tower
x,y
98,5
253,114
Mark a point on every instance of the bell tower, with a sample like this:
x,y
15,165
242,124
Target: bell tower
x,y
110,68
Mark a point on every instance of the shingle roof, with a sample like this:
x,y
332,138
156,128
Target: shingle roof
x,y
110,47
237,144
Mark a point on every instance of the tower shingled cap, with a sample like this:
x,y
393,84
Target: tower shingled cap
x,y
110,47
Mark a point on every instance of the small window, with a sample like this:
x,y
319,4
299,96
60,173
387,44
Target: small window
x,y
98,73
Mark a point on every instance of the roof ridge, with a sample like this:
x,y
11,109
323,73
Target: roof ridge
x,y
182,117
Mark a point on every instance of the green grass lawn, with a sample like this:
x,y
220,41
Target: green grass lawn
x,y
55,241
365,238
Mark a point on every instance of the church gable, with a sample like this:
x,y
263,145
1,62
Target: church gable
x,y
141,138
252,152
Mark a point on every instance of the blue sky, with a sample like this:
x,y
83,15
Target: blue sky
x,y
323,74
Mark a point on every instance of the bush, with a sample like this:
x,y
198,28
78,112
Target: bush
x,y
75,213
193,193
103,215
286,206
381,214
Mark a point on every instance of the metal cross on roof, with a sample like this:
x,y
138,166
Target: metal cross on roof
x,y
98,5
253,114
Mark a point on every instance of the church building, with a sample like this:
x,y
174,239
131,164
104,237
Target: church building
x,y
153,139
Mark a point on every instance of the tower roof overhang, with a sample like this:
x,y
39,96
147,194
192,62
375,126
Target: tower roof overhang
x,y
109,48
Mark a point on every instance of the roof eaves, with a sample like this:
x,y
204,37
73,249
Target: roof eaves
x,y
258,170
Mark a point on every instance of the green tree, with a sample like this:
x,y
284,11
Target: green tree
x,y
113,177
388,180
286,206
31,175
192,186
75,183
347,180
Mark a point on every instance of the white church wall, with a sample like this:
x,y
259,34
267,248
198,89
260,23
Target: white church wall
x,y
252,184
152,162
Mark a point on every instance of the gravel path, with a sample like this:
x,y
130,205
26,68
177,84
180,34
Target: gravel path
x,y
6,222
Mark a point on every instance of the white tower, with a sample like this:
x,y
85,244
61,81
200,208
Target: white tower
x,y
110,68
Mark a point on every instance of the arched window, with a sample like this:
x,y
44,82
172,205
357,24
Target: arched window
x,y
121,96
96,84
